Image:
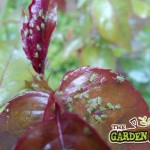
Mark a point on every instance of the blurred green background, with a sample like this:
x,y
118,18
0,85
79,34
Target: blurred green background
x,y
112,34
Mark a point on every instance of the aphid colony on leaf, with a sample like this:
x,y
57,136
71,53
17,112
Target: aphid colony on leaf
x,y
96,104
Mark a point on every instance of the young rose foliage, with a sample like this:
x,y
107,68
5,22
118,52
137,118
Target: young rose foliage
x,y
63,132
20,113
36,31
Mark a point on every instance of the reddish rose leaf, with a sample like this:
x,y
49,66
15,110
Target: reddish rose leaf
x,y
101,97
67,131
21,112
37,30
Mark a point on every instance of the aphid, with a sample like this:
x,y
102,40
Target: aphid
x,y
84,118
90,101
7,110
77,96
40,12
118,106
42,25
43,16
104,116
38,28
30,31
59,92
70,109
26,19
103,80
85,95
99,100
69,99
93,77
26,32
46,17
36,55
89,110
97,118
38,47
119,79
110,106
65,78
79,88
102,108
35,17
94,104
32,25
86,130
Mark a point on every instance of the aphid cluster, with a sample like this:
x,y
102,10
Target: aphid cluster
x,y
95,105
38,27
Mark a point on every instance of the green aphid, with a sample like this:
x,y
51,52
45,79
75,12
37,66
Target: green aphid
x,y
40,12
35,17
38,28
43,17
86,130
93,77
119,79
32,25
79,88
31,31
39,47
110,106
77,96
84,118
42,25
36,55
99,100
118,106
65,78
69,100
90,101
97,118
70,109
102,108
25,19
94,105
85,95
89,110
59,92
26,32
104,116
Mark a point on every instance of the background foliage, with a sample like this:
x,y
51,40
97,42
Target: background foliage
x,y
105,33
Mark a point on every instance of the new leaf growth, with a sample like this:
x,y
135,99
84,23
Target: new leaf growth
x,y
36,31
